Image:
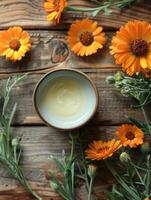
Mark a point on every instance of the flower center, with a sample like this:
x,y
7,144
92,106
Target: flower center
x,y
15,44
86,38
130,135
139,47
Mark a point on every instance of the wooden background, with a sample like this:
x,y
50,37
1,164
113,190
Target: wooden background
x,y
51,50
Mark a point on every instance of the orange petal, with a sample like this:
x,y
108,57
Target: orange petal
x,y
143,63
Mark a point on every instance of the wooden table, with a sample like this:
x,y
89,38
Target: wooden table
x,y
50,50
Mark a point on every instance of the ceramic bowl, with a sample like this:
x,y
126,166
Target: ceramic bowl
x,y
83,97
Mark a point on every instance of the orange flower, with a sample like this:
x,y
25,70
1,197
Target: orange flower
x,y
99,150
131,47
85,37
55,9
130,135
14,43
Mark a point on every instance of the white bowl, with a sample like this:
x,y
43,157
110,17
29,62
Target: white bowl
x,y
65,99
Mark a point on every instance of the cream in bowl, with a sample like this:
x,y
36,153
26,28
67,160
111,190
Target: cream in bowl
x,y
65,99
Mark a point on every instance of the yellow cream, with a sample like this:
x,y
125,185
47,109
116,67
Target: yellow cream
x,y
65,97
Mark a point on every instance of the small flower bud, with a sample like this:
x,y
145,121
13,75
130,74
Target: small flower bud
x,y
110,79
15,142
118,76
125,157
145,148
54,185
147,198
91,170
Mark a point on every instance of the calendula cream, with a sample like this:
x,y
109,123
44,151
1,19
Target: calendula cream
x,y
65,99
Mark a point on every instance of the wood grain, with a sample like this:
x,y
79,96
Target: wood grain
x,y
50,48
110,103
38,143
31,14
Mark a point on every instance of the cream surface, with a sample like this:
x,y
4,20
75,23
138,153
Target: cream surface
x,y
64,97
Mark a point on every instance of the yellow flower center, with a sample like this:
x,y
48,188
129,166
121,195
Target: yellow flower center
x,y
14,44
86,38
139,47
130,135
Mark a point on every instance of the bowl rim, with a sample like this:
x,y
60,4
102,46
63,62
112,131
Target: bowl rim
x,y
65,69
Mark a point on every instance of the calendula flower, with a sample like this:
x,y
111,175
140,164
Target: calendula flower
x,y
131,47
14,43
100,150
55,9
85,37
130,135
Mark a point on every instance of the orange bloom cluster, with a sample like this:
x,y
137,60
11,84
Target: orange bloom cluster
x,y
129,135
131,46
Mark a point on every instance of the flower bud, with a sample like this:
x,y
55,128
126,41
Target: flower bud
x,y
91,170
125,157
147,198
118,76
15,141
145,148
110,79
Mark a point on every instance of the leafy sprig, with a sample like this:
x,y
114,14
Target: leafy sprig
x,y
102,6
73,167
138,87
66,166
9,156
133,181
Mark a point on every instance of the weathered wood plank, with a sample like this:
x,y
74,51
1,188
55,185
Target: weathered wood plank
x,y
50,48
38,143
110,103
13,190
31,14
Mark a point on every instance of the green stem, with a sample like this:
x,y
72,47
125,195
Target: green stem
x,y
15,155
90,189
28,188
18,174
138,174
72,154
73,175
72,149
146,119
84,165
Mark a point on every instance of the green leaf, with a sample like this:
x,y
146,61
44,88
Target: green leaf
x,y
122,182
12,114
58,187
95,12
59,164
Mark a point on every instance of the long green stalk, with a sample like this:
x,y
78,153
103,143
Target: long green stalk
x,y
146,119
